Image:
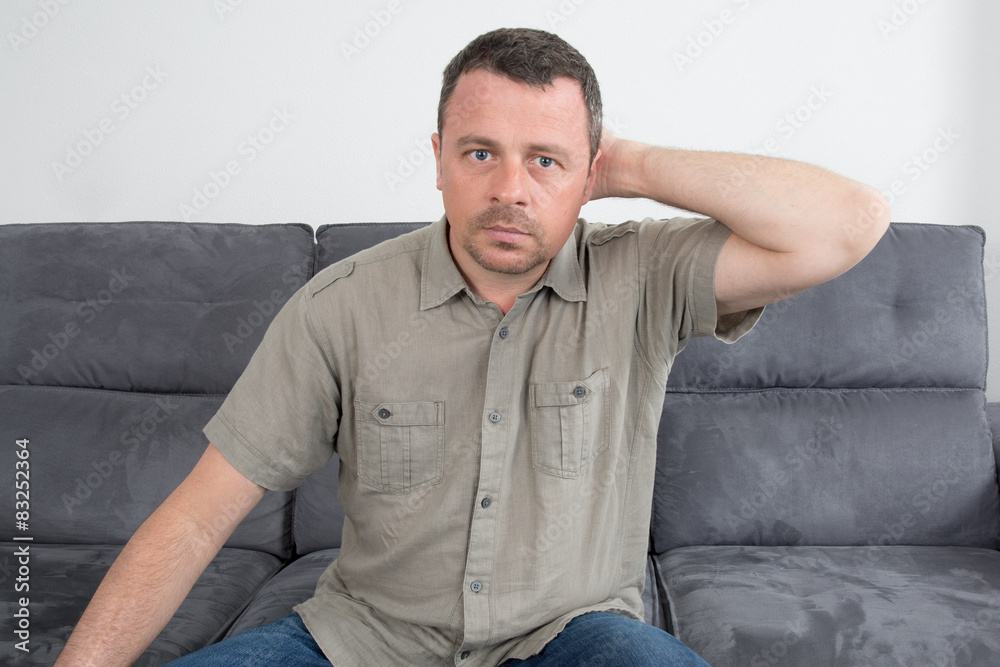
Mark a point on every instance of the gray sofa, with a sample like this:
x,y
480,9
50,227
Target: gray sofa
x,y
826,489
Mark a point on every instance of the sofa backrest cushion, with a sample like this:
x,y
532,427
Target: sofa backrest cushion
x,y
151,307
911,314
319,516
852,414
118,341
101,461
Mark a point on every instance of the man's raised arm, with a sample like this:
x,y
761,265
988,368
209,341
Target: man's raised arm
x,y
159,565
794,225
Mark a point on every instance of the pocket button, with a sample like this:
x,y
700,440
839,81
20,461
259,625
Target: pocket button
x,y
579,392
384,414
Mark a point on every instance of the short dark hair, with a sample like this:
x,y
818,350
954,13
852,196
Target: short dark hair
x,y
530,56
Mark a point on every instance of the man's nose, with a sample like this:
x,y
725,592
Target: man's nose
x,y
509,184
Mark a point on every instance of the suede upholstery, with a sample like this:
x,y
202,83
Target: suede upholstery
x,y
826,488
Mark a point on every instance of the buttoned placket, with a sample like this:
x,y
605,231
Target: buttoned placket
x,y
496,423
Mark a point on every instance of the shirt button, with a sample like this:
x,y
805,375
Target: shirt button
x,y
476,586
465,655
384,414
486,503
579,392
504,332
494,417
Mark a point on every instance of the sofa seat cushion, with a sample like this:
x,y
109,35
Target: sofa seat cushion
x,y
892,605
63,578
295,584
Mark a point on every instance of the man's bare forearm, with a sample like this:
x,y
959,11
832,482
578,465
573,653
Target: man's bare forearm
x,y
141,591
794,225
775,204
159,565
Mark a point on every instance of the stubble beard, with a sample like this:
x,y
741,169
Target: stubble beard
x,y
479,246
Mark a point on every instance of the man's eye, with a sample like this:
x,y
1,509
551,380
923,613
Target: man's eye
x,y
545,162
481,155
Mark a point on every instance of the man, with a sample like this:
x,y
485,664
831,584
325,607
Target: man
x,y
497,477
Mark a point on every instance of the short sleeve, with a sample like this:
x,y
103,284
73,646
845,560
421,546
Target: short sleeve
x,y
278,424
677,261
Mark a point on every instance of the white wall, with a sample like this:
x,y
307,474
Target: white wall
x,y
122,110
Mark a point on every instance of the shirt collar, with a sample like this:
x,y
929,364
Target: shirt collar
x,y
441,279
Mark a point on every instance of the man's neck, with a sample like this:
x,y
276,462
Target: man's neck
x,y
499,288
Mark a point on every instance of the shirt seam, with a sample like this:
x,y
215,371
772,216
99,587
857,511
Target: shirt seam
x,y
642,267
325,347
629,485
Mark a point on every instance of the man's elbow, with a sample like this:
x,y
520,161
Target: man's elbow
x,y
854,231
867,220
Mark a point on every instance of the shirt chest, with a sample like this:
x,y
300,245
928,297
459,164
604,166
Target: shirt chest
x,y
463,381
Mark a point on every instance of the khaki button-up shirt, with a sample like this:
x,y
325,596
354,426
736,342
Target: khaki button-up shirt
x,y
496,470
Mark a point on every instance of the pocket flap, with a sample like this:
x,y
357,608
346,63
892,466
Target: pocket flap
x,y
422,413
573,392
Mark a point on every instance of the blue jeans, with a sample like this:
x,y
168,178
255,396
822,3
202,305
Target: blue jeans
x,y
285,642
601,639
596,639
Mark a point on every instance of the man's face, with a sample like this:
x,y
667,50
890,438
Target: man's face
x,y
513,167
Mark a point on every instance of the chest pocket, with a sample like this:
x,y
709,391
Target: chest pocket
x,y
569,424
400,446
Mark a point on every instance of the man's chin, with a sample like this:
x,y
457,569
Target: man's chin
x,y
509,261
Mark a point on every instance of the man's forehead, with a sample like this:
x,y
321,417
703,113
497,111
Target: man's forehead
x,y
481,92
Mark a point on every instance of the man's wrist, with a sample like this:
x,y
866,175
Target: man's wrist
x,y
631,177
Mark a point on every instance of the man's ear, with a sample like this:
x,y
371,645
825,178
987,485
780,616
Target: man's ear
x,y
436,143
591,178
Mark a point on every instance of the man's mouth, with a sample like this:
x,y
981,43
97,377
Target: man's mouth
x,y
506,234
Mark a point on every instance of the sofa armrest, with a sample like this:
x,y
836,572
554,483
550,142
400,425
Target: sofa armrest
x,y
993,417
